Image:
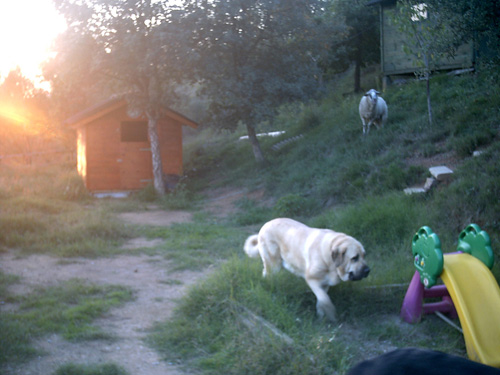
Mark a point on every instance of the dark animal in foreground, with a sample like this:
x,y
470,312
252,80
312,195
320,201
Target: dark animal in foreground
x,y
412,361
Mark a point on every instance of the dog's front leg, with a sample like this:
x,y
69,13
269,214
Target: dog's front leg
x,y
324,305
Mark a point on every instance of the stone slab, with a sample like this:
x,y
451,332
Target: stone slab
x,y
441,173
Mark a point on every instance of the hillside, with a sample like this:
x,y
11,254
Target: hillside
x,y
332,165
333,177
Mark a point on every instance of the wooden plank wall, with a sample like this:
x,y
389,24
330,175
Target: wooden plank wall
x,y
396,61
114,165
103,141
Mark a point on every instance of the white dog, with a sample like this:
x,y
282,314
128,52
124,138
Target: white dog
x,y
321,256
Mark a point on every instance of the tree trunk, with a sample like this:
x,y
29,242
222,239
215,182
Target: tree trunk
x,y
357,67
257,152
428,83
429,105
154,140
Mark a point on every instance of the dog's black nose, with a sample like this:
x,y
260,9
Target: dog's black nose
x,y
360,275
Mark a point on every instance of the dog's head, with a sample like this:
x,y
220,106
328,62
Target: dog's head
x,y
349,258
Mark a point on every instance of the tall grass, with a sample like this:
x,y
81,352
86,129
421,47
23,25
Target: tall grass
x,y
47,210
211,331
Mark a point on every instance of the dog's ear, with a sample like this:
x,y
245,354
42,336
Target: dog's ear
x,y
338,256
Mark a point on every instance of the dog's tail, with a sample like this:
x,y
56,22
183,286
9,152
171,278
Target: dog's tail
x,y
252,246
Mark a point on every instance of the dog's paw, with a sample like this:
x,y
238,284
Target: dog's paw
x,y
326,311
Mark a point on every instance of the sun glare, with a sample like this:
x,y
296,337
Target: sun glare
x,y
26,33
20,120
12,115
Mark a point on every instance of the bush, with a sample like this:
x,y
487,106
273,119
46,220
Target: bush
x,y
293,205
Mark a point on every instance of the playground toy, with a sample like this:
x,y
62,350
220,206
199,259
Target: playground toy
x,y
470,290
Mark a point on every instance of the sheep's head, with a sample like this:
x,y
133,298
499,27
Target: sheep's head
x,y
372,96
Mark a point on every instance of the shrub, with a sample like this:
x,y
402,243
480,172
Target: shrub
x,y
293,205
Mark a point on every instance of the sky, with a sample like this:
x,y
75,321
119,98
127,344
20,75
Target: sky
x,y
27,30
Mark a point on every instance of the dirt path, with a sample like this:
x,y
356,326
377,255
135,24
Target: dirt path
x,y
156,291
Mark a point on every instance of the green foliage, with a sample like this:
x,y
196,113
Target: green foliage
x,y
357,40
474,21
244,76
101,369
429,33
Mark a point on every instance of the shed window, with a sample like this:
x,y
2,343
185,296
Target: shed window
x,y
134,131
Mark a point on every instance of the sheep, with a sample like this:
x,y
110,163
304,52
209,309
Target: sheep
x,y
372,110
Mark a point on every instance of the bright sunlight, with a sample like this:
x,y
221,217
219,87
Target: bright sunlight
x,y
26,33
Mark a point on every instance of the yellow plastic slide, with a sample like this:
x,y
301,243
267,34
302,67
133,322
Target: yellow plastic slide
x,y
476,296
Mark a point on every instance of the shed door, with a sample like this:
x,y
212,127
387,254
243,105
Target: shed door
x,y
136,169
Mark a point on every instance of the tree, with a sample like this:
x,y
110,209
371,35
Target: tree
x,y
252,56
476,21
23,115
360,42
430,37
123,49
74,87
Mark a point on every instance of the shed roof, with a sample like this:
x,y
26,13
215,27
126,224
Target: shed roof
x,y
381,2
114,102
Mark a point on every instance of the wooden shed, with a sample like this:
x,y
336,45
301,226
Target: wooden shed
x,y
394,60
113,149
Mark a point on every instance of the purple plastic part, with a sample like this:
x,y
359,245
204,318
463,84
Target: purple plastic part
x,y
413,304
411,311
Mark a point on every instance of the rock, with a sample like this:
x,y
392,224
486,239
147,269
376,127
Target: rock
x,y
441,173
430,183
414,190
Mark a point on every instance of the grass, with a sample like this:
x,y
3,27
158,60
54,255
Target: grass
x,y
67,309
104,369
41,213
209,331
198,244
